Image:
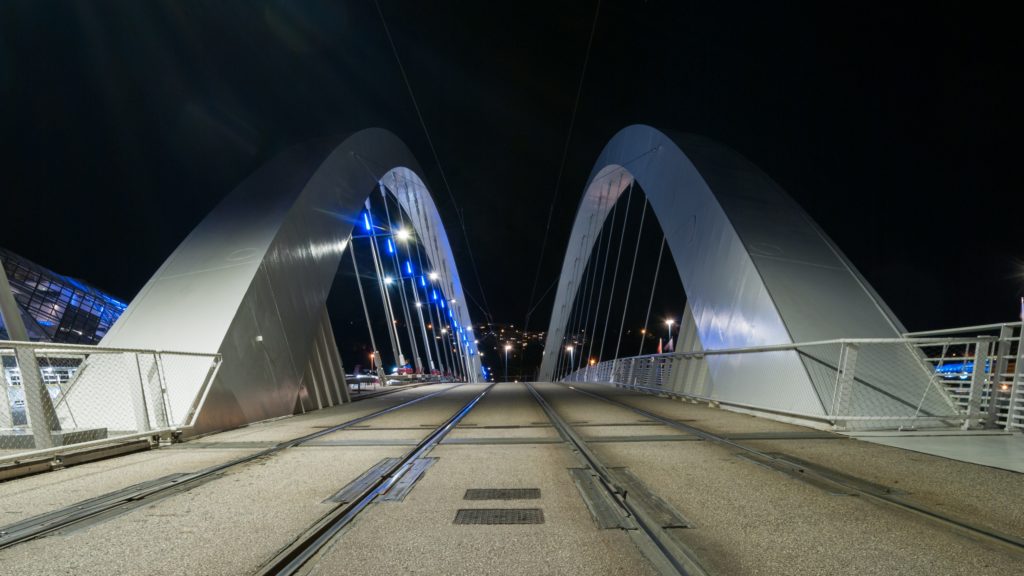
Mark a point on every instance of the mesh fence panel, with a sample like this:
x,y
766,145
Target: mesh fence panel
x,y
53,396
857,384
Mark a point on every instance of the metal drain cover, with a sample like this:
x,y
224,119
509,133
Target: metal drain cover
x,y
502,494
499,516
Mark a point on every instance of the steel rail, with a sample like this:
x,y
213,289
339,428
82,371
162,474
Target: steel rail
x,y
681,559
46,523
879,496
293,557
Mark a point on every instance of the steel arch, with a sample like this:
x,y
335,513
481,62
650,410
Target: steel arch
x,y
756,269
251,280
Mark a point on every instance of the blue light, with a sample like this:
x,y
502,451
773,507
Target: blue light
x,y
391,246
366,221
433,294
423,281
443,306
408,267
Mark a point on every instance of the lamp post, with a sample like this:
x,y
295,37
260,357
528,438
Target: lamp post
x,y
669,323
572,362
507,348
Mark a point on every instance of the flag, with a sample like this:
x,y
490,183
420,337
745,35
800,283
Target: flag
x,y
659,345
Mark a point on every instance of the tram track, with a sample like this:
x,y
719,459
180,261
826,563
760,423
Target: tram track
x,y
295,556
121,501
668,554
820,476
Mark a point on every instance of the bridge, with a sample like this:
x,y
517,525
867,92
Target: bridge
x,y
784,421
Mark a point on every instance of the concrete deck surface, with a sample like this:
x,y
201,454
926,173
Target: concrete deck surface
x,y
748,519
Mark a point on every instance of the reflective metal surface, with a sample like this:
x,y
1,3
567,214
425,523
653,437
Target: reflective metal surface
x,y
251,280
755,268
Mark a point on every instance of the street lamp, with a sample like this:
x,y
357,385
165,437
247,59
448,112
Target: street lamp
x,y
670,323
507,348
403,235
569,349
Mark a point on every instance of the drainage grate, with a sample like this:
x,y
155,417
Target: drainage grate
x,y
499,516
502,494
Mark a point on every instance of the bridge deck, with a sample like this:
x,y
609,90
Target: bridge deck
x,y
746,515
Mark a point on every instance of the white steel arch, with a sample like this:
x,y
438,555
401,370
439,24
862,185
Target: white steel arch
x,y
756,269
251,280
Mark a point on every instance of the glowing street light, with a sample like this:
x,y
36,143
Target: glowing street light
x,y
389,280
669,323
403,235
569,349
433,275
507,348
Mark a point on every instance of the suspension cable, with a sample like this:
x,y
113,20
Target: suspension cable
x,y
632,272
604,272
366,311
417,359
576,302
615,272
398,281
654,285
378,267
583,319
426,304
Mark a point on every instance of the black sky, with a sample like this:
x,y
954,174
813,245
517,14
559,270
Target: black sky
x,y
124,123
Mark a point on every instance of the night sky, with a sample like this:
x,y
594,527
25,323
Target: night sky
x,y
896,128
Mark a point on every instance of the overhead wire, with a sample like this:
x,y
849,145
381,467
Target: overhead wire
x,y
437,160
561,166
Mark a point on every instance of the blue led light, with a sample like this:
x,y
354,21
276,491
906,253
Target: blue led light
x,y
433,294
423,281
391,246
366,221
408,267
443,306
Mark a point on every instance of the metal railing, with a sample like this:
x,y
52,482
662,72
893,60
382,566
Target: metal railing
x,y
57,395
922,379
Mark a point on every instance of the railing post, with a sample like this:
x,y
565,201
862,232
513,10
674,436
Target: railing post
x,y
997,368
41,416
1017,383
6,418
844,381
981,350
138,396
163,404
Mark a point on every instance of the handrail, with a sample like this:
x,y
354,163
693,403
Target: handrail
x,y
96,349
798,345
964,329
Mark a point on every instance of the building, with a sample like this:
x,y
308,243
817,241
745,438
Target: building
x,y
58,308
